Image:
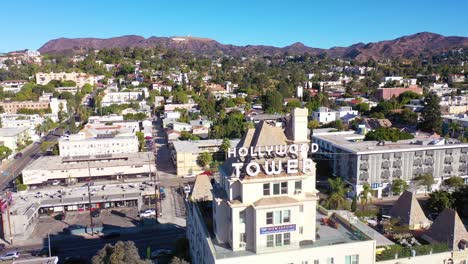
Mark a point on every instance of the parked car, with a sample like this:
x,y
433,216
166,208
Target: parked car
x,y
95,213
162,193
111,235
18,155
147,213
56,182
161,253
60,217
10,255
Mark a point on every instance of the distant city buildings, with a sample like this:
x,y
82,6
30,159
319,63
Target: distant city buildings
x,y
79,78
388,93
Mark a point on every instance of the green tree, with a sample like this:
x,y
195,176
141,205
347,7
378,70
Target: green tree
x,y
388,134
431,115
313,124
338,190
120,253
439,200
273,102
354,204
366,194
141,140
399,186
87,88
454,127
204,159
454,182
426,180
180,97
5,152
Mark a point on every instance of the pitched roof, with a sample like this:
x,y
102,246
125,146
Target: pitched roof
x,y
266,135
202,189
409,211
447,228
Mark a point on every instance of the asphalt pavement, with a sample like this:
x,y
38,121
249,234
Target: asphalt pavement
x,y
16,166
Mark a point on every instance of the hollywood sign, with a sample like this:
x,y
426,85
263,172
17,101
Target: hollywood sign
x,y
274,167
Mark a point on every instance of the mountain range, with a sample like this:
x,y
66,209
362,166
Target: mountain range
x,y
424,43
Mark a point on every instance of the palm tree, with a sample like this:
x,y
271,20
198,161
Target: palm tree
x,y
366,194
426,180
338,191
454,126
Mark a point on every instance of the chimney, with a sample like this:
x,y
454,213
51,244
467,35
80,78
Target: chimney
x,y
299,125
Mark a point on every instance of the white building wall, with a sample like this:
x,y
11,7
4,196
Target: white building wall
x,y
92,146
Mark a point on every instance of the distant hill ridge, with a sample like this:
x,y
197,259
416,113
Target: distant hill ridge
x,y
424,43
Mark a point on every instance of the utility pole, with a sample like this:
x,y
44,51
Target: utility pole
x,y
89,200
9,222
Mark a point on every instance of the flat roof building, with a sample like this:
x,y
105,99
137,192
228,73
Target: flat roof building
x,y
378,163
81,168
269,214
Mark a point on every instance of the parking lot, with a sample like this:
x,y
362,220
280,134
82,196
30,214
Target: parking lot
x,y
110,218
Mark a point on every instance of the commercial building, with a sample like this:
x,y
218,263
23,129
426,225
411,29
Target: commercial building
x,y
79,78
270,215
185,154
85,167
378,163
388,93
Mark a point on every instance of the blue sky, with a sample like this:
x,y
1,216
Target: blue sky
x,y
324,24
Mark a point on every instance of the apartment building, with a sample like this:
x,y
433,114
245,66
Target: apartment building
x,y
325,115
12,86
79,78
10,137
388,93
378,163
125,97
44,102
99,139
260,216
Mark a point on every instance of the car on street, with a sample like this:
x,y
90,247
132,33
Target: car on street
x,y
18,155
147,213
95,213
10,255
56,182
60,217
161,253
111,235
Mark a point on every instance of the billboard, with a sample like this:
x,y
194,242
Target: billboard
x,y
277,229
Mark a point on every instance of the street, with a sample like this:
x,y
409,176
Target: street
x,y
17,165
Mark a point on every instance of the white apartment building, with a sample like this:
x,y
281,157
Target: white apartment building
x,y
27,121
12,136
12,86
378,163
111,98
325,115
270,215
160,87
80,78
100,139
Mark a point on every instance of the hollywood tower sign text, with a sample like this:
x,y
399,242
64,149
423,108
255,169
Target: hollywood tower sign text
x,y
274,167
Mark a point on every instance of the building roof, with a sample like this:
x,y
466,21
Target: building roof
x,y
275,200
374,123
408,210
353,142
202,189
196,145
52,163
12,131
447,228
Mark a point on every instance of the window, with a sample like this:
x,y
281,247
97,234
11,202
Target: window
x,y
301,230
269,218
286,216
352,259
301,208
277,217
304,262
316,261
242,216
284,188
287,239
276,188
266,189
270,240
297,186
278,240
242,240
330,260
